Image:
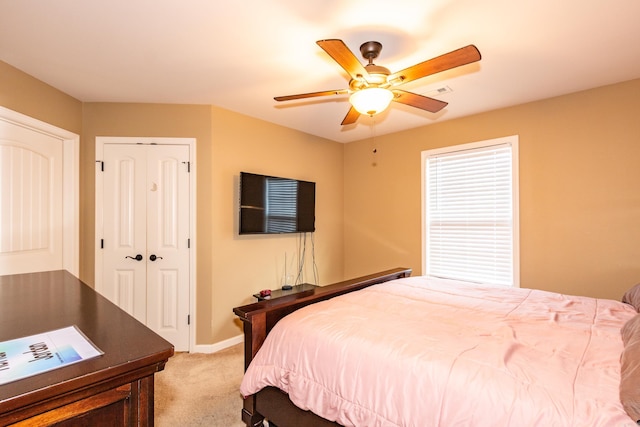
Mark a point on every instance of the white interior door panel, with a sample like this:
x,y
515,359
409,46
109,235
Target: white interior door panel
x,y
31,200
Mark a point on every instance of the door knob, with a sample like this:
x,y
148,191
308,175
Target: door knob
x,y
153,257
137,257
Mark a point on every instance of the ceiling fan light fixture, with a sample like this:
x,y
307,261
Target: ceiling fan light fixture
x,y
371,101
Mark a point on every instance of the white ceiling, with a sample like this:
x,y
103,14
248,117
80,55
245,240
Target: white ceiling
x,y
240,54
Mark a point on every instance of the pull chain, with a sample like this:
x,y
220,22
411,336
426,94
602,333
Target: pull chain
x,y
374,149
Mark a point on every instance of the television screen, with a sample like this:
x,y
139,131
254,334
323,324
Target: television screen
x,y
272,205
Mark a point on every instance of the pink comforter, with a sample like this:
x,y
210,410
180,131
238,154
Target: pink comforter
x,y
428,352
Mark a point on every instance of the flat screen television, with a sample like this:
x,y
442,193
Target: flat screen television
x,y
273,205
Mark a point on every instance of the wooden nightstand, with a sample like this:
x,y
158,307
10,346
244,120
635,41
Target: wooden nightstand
x,y
277,293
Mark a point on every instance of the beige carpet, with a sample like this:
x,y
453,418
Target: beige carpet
x,y
200,390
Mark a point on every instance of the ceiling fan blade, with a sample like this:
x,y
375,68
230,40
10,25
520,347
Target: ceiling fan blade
x,y
351,117
344,57
464,55
419,101
311,94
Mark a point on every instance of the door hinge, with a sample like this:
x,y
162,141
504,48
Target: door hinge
x,y
188,243
101,243
188,166
188,319
101,165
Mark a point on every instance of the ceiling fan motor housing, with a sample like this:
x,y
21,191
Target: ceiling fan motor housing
x,y
370,50
377,75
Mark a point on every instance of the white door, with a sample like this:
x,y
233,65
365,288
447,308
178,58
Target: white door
x,y
145,247
31,200
39,197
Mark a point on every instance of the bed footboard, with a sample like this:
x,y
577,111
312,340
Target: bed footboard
x,y
259,318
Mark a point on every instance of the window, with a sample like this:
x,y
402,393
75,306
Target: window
x,y
281,205
470,211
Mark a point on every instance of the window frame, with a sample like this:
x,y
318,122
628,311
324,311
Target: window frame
x,y
513,141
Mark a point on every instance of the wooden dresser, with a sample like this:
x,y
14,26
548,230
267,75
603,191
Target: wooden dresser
x,y
113,389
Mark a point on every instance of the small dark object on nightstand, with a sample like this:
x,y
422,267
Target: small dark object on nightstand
x,y
265,293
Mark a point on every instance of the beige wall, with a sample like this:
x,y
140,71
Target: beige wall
x,y
579,190
22,93
230,268
151,120
243,265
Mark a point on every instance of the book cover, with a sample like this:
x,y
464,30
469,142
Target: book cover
x,y
27,356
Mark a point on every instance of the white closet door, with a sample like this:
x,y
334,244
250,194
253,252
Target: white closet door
x,y
146,235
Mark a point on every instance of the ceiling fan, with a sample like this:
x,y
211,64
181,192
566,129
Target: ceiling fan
x,y
373,87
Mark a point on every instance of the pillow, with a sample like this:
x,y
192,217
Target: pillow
x,y
630,368
632,296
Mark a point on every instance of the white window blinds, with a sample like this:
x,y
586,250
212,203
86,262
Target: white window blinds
x,y
281,205
470,214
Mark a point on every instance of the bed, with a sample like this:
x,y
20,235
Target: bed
x,y
394,350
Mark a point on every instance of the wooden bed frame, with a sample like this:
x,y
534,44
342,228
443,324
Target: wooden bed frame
x,y
258,320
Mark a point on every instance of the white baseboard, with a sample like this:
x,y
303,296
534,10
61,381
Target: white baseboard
x,y
213,348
